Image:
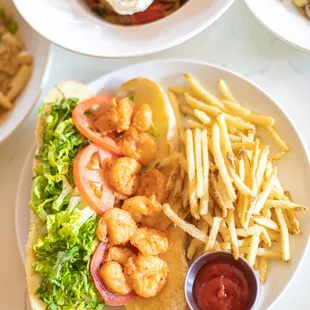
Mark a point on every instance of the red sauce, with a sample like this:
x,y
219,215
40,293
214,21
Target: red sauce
x,y
222,285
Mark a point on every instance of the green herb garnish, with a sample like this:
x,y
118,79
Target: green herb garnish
x,y
153,131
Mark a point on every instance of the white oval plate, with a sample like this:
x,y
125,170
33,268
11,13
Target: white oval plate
x,y
294,171
284,20
72,25
39,48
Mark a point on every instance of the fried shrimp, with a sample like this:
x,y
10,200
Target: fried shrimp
x,y
146,274
116,118
150,241
123,175
114,279
139,145
117,225
119,254
153,182
146,211
142,117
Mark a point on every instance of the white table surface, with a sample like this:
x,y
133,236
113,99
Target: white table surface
x,y
236,41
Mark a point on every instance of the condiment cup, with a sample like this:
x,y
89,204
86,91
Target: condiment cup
x,y
218,256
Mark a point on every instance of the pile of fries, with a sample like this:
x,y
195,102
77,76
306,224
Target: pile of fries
x,y
225,190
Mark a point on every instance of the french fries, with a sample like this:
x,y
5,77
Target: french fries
x,y
204,202
220,162
198,162
213,234
279,141
226,184
191,173
285,242
203,117
263,269
233,233
203,93
189,228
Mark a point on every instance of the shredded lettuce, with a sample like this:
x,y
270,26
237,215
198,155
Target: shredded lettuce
x,y
61,143
64,251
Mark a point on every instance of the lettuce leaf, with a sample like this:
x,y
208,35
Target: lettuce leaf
x,y
61,143
63,252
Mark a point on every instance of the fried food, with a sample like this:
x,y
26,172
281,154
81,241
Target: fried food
x,y
117,225
119,254
142,117
114,279
230,182
153,182
123,175
116,118
146,211
150,241
147,274
139,145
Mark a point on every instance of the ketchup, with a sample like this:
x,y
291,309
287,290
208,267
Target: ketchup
x,y
223,285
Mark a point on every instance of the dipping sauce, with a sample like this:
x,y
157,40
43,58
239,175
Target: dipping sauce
x,y
223,285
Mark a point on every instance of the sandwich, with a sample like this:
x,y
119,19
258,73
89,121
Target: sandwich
x,y
98,235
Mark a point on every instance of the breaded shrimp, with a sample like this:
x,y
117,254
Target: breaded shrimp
x,y
146,274
117,225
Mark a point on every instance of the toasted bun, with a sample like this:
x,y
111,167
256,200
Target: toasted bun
x,y
64,90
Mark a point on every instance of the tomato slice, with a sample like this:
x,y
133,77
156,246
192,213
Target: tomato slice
x,y
90,180
85,124
97,261
155,11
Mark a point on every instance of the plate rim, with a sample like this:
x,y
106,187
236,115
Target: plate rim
x,y
143,52
297,46
305,151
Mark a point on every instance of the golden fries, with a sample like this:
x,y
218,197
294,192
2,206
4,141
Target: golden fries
x,y
189,228
172,177
279,141
284,204
187,110
220,162
263,269
263,196
203,226
233,234
214,111
266,222
204,202
225,183
198,162
213,234
203,117
194,124
191,173
253,249
169,161
224,89
248,145
203,93
285,242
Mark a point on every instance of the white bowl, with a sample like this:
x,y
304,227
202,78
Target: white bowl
x,y
294,171
39,48
284,20
72,25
